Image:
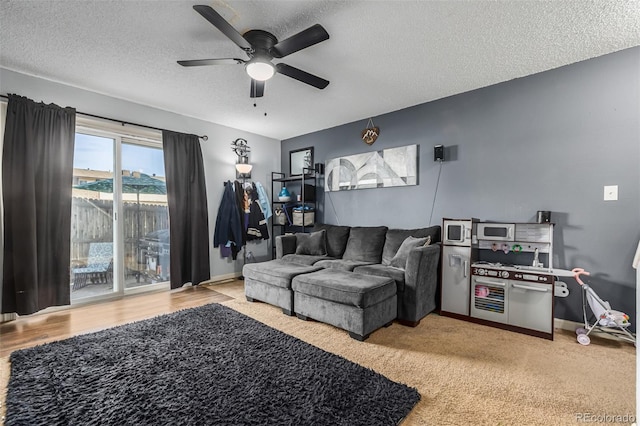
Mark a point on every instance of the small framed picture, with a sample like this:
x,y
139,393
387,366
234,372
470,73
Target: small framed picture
x,y
299,160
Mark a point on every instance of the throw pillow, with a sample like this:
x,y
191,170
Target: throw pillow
x,y
400,259
395,237
313,244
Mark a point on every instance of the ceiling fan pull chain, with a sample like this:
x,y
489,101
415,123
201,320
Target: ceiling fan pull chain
x,y
253,91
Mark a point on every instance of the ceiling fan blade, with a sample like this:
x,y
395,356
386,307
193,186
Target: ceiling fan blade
x,y
302,76
220,23
257,88
200,62
312,35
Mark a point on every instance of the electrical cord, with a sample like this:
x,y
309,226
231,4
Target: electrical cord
x,y
335,213
433,204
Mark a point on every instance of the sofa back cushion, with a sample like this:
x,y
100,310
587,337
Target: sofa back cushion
x,y
395,237
365,243
313,244
336,238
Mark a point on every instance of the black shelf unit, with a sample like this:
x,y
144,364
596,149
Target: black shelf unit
x,y
303,185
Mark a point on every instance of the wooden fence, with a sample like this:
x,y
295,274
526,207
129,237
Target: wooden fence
x,y
92,221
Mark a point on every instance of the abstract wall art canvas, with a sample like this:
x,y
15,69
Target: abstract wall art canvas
x,y
379,169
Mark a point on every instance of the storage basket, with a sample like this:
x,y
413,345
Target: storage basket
x,y
309,218
280,217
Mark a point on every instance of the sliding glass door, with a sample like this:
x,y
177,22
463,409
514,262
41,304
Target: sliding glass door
x,y
120,220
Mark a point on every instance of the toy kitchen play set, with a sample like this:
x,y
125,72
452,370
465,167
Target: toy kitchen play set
x,y
500,274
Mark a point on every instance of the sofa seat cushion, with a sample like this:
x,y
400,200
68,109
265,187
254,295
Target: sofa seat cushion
x,y
395,274
341,264
365,244
345,288
395,238
276,272
303,259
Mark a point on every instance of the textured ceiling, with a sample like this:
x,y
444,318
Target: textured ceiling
x,y
382,55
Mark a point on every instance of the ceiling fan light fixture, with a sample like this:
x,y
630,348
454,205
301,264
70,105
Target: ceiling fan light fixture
x,y
261,47
260,70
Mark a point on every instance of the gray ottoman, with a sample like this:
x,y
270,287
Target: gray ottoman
x,y
271,282
357,303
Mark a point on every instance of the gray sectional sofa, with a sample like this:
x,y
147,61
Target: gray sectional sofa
x,y
356,278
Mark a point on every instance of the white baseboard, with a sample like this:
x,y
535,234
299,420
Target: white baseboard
x,y
566,324
572,326
7,317
219,278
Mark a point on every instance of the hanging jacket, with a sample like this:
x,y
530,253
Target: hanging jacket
x,y
257,223
264,200
228,231
241,200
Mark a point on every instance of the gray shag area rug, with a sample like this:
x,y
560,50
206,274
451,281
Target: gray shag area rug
x,y
203,366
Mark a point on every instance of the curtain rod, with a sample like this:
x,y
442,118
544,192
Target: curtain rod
x,y
203,137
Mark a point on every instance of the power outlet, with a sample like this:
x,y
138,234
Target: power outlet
x,y
611,193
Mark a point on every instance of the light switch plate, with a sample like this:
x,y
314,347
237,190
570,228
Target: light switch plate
x,y
611,193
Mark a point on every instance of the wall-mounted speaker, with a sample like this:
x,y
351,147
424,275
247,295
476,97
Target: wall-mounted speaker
x,y
438,153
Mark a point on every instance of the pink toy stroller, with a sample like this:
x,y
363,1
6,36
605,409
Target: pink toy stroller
x,y
613,323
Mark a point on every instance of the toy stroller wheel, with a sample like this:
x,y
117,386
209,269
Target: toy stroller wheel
x,y
583,339
581,330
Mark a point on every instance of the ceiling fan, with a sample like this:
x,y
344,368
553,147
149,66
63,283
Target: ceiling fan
x,y
262,47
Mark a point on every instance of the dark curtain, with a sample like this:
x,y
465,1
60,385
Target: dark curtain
x,y
37,175
188,215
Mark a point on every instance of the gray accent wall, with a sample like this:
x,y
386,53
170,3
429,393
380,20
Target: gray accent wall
x,y
549,141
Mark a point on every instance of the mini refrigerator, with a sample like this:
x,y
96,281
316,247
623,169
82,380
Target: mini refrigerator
x,y
457,255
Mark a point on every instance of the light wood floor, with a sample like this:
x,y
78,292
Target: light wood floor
x,y
37,329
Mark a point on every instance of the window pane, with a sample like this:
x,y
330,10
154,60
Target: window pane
x,y
92,217
146,215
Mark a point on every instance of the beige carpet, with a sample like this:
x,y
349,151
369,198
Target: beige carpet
x,y
470,374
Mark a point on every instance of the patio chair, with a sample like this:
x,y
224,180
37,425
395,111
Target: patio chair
x,y
99,266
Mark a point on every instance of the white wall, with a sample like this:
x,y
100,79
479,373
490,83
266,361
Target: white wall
x,y
218,158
